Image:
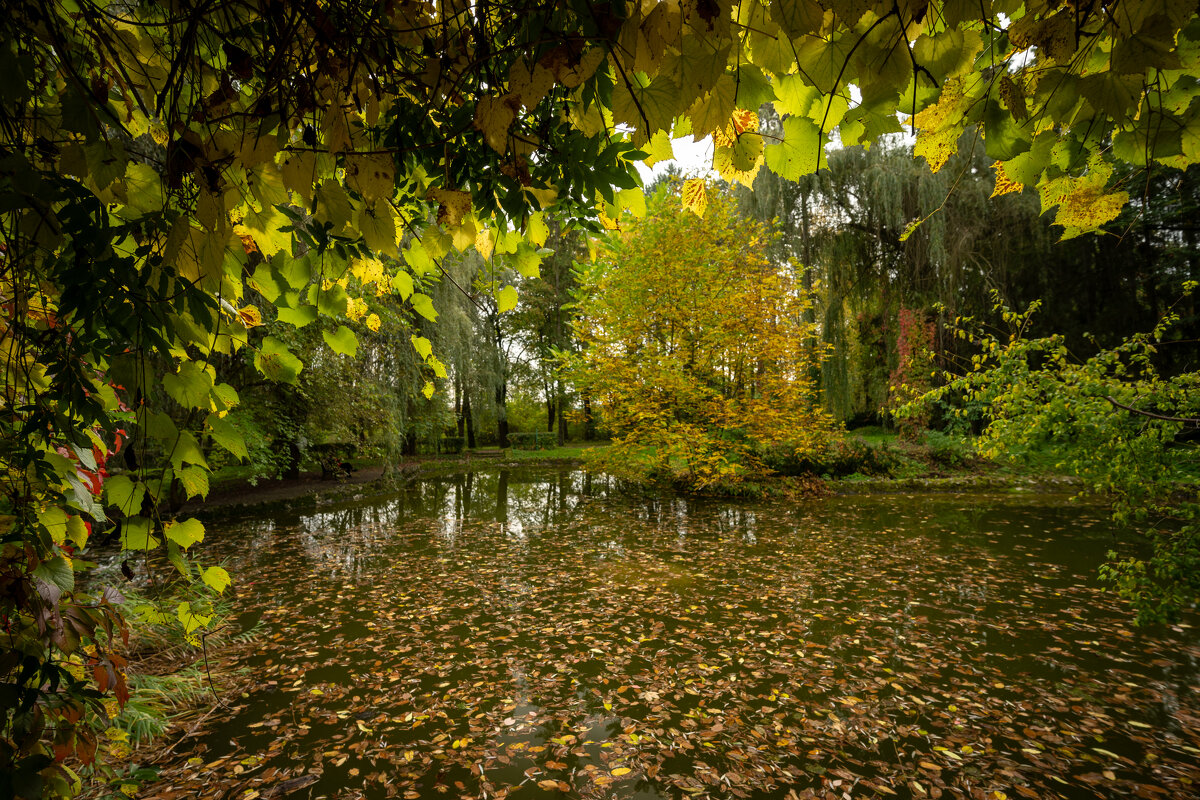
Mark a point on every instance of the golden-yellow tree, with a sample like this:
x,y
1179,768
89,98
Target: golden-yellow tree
x,y
696,348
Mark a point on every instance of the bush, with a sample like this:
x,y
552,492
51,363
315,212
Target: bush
x,y
452,444
837,459
947,450
533,441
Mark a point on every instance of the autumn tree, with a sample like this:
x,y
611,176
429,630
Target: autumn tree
x,y
692,345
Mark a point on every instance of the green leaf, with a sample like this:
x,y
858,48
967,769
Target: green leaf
x,y
378,228
423,305
528,261
275,362
191,619
417,257
77,532
402,283
298,317
194,480
55,520
185,533
57,571
799,152
1004,137
191,386
186,451
124,495
794,96
296,271
226,397
226,434
506,299
797,17
216,577
265,284
342,341
332,301
422,346
136,535
159,426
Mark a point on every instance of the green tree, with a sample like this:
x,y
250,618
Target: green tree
x,y
1114,421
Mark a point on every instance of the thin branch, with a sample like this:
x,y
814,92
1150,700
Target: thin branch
x,y
1152,415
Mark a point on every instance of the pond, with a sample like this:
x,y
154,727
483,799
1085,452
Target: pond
x,y
538,633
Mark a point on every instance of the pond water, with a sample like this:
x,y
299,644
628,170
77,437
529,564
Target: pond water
x,y
536,633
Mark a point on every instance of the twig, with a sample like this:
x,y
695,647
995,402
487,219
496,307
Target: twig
x,y
1152,415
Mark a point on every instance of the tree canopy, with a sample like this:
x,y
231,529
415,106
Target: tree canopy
x,y
167,171
699,361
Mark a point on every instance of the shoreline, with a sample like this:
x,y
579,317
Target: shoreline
x,y
310,490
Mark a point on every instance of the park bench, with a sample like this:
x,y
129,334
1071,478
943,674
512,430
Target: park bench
x,y
334,458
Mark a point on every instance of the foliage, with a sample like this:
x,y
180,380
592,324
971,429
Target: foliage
x,y
1114,421
838,457
533,441
185,187
693,347
913,375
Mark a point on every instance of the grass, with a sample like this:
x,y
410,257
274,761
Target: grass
x,y
874,434
572,451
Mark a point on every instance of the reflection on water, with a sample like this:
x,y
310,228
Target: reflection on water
x,y
537,632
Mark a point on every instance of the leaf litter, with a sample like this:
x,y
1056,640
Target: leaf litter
x,y
538,634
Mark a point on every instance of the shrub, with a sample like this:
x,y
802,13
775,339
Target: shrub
x,y
533,441
836,459
947,450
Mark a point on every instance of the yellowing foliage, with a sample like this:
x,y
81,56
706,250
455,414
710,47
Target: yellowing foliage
x,y
695,348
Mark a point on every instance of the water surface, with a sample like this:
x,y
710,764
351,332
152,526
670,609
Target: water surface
x,y
535,633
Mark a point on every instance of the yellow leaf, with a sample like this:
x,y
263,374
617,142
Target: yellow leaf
x,y
493,116
744,121
530,85
453,205
694,197
250,316
938,125
619,771
659,149
372,176
484,243
1004,184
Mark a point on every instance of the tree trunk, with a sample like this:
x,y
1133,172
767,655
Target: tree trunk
x,y
502,499
502,413
458,403
561,405
292,470
470,421
589,422
549,412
